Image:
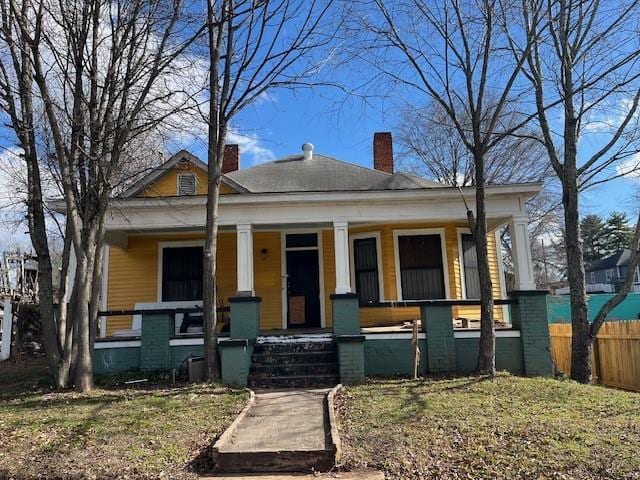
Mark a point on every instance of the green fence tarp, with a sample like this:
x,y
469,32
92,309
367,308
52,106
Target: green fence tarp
x,y
559,309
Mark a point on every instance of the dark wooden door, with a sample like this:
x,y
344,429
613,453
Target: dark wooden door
x,y
303,289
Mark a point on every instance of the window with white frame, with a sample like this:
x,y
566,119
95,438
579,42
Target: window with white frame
x,y
469,272
366,269
608,274
421,266
187,183
182,273
593,277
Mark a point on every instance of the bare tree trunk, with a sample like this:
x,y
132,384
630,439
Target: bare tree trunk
x,y
210,288
487,347
86,257
581,344
96,293
215,35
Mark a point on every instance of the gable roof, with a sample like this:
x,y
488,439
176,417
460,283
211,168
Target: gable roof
x,y
158,172
619,259
322,174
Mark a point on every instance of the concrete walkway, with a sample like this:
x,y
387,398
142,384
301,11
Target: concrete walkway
x,y
290,420
281,431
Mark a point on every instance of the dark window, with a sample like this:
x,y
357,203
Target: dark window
x,y
181,274
298,240
470,259
421,271
365,260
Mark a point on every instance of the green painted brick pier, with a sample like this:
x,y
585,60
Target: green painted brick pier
x,y
523,349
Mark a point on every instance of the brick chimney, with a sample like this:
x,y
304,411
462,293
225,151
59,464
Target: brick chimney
x,y
231,160
383,152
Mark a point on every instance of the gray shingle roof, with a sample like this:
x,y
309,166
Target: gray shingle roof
x,y
620,259
322,174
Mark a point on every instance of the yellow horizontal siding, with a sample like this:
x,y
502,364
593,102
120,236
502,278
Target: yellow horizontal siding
x,y
394,316
167,184
329,268
133,274
267,266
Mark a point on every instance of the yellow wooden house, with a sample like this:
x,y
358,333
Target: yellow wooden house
x,y
299,229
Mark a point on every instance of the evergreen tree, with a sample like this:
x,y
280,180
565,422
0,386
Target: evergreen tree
x,y
618,233
593,232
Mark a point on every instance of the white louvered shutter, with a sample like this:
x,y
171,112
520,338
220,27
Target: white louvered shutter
x,y
186,184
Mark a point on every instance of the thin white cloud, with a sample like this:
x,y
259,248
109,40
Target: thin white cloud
x,y
250,146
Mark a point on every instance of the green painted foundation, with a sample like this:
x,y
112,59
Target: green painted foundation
x,y
530,316
393,357
351,358
180,354
346,314
245,317
437,323
155,353
116,360
235,361
508,355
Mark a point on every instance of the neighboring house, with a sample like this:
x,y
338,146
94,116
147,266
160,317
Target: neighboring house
x,y
18,274
300,238
608,274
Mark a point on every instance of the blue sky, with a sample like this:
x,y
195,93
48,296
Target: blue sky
x,y
342,128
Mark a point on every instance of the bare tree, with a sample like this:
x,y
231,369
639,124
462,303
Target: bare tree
x,y
253,47
452,53
585,77
79,81
431,147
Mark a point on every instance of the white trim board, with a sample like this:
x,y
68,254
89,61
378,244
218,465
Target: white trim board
x,y
393,336
476,334
363,235
184,342
463,284
284,275
443,248
117,344
189,212
172,244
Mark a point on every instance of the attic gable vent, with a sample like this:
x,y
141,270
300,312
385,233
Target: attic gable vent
x,y
186,184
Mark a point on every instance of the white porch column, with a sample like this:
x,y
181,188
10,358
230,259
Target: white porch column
x,y
341,243
245,259
521,248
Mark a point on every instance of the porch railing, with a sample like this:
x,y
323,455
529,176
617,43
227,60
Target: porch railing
x,y
172,312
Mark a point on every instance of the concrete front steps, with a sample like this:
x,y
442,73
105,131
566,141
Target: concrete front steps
x,y
294,363
279,431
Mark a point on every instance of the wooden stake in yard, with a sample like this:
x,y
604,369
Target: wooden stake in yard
x,y
416,349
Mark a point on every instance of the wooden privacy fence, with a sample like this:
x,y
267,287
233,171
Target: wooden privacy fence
x,y
616,353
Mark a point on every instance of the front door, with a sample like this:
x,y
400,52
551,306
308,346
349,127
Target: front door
x,y
303,289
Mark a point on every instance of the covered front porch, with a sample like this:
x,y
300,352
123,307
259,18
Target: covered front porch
x,y
293,252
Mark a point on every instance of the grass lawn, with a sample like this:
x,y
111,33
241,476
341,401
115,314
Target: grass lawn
x,y
140,432
507,428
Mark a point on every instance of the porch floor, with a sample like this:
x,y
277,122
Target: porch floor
x,y
295,331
